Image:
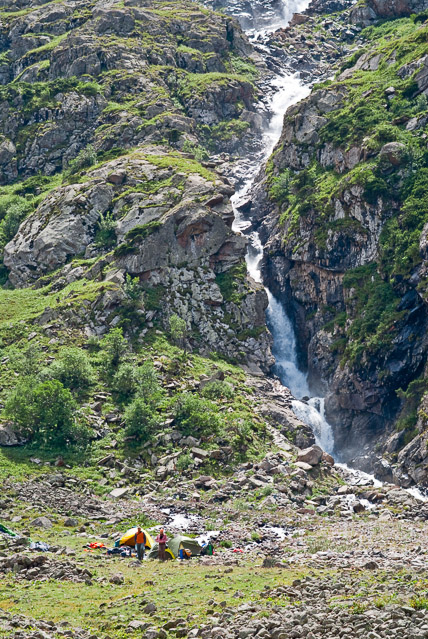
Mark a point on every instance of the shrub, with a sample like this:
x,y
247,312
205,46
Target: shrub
x,y
217,389
114,346
44,411
85,158
196,416
14,215
25,362
199,153
141,422
133,292
72,368
178,331
105,236
131,379
184,462
280,187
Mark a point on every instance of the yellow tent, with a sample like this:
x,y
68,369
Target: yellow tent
x,y
128,539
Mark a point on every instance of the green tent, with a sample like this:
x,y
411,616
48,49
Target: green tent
x,y
174,545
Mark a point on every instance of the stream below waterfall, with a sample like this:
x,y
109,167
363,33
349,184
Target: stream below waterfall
x,y
288,89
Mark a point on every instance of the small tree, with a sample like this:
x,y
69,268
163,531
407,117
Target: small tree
x,y
72,368
178,331
141,380
114,347
141,422
196,416
44,411
105,236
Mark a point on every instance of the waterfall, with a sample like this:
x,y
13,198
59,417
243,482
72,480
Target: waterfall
x,y
289,90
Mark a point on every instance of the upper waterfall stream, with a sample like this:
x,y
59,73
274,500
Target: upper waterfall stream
x,y
289,90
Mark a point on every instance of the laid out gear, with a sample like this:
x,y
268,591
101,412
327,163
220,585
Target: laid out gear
x,y
5,530
97,545
114,551
207,549
128,539
174,545
39,545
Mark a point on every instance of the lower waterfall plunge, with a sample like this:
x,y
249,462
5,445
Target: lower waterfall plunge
x,y
290,90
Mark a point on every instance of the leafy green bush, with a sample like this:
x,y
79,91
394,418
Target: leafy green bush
x,y
141,380
217,389
178,330
72,368
184,462
14,214
105,236
196,416
25,362
199,153
85,158
45,412
113,349
133,293
280,187
141,422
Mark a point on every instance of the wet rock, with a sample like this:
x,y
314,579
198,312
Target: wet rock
x,y
312,455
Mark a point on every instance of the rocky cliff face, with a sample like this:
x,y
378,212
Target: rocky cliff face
x,y
104,109
117,76
342,214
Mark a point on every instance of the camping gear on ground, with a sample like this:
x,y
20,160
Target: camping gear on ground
x,y
174,545
128,539
114,551
39,545
207,549
154,552
3,529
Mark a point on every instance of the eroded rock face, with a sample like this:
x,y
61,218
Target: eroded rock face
x,y
116,76
372,10
172,233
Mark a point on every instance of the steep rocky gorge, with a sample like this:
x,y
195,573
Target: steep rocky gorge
x,y
342,211
110,114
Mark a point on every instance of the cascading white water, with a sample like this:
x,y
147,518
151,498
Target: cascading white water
x,y
290,90
283,17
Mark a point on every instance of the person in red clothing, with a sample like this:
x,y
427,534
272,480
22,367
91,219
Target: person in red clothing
x,y
161,539
140,543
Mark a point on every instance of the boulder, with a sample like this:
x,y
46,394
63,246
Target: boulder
x,y
358,507
304,466
71,522
328,459
150,608
393,153
116,579
8,437
118,492
312,455
41,522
